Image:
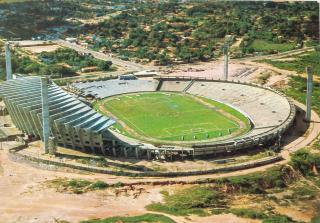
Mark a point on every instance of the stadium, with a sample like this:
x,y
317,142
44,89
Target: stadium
x,y
154,118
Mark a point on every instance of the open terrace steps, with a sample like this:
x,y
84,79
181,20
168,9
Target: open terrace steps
x,y
103,89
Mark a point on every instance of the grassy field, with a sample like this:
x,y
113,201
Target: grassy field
x,y
171,116
297,89
147,218
297,85
299,63
264,46
196,200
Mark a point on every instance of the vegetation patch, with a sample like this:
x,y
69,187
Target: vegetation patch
x,y
304,193
266,218
79,186
258,183
300,63
74,59
305,162
259,45
195,200
297,88
150,218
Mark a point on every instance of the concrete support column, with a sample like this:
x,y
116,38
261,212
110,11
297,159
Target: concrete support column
x,y
137,152
8,61
103,150
148,154
125,152
45,113
114,152
309,93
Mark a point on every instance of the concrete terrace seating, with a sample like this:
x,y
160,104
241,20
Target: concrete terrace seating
x,y
174,85
103,89
265,108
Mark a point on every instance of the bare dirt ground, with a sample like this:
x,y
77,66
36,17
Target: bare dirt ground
x,y
41,48
244,69
25,198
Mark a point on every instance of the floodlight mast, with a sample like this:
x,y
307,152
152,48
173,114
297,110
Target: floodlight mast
x,y
309,94
226,59
8,61
45,113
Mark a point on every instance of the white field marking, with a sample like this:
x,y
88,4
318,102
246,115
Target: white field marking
x,y
170,134
133,102
195,130
190,111
185,112
190,133
143,133
196,125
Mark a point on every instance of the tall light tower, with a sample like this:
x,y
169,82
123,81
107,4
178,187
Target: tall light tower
x,y
309,94
45,113
226,58
319,20
8,61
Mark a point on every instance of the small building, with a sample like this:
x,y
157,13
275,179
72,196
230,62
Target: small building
x,y
127,77
89,69
71,40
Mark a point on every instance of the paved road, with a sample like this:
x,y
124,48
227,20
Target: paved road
x,y
126,64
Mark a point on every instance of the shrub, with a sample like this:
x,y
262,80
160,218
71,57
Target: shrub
x,y
247,213
118,184
75,183
257,182
147,218
190,201
99,185
304,192
303,160
278,219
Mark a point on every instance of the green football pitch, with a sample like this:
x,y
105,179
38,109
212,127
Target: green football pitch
x,y
173,116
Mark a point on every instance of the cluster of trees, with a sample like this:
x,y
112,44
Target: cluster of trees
x,y
40,16
196,31
24,65
75,60
53,65
168,30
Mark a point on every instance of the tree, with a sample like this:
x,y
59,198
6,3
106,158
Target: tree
x,y
56,71
104,65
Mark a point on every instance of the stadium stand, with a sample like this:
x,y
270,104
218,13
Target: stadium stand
x,y
102,89
72,123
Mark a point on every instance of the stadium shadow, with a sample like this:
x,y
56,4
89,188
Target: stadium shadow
x,y
299,128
